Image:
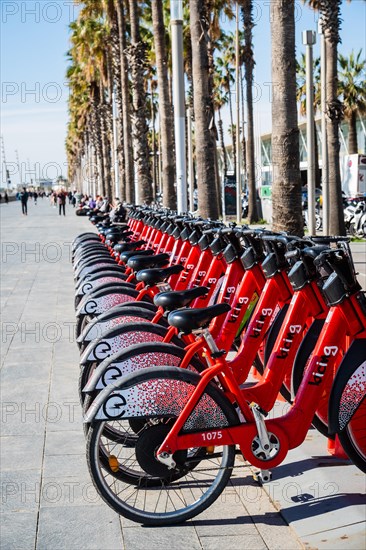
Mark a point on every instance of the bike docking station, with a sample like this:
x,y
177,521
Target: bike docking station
x,y
217,342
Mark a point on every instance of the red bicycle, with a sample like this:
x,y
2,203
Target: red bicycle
x,y
193,422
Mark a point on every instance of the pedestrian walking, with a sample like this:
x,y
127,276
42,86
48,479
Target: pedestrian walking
x,y
35,196
61,199
6,197
24,200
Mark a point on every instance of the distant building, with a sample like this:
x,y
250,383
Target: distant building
x,y
353,167
41,185
265,155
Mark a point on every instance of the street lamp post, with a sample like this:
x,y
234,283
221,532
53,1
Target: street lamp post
x,y
323,91
115,145
176,21
309,39
237,84
190,160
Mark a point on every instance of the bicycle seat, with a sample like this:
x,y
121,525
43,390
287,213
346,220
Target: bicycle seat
x,y
179,298
144,262
187,320
157,275
314,251
125,256
122,247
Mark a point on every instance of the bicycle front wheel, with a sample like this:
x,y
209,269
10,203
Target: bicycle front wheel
x,y
353,437
161,496
347,404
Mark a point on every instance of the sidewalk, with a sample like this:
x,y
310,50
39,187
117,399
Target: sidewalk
x,y
48,500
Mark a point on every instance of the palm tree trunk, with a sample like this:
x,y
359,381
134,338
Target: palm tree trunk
x,y
247,12
352,134
212,125
106,128
126,109
286,191
207,194
165,107
108,107
96,114
222,141
107,183
334,113
136,56
316,159
116,65
233,133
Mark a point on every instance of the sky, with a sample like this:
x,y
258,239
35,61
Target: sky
x,y
33,44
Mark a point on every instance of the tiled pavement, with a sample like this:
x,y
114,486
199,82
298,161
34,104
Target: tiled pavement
x,y
48,500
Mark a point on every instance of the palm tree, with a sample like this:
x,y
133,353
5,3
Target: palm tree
x,y
220,98
331,21
248,57
136,56
352,90
126,108
225,66
286,191
85,71
165,106
203,111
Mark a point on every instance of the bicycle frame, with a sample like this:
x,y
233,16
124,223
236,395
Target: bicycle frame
x,y
289,430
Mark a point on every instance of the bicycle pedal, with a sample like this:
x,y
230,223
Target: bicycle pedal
x,y
262,476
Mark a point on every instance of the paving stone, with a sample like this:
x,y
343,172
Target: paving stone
x,y
65,443
243,542
76,527
18,530
179,538
349,537
19,453
65,466
65,415
20,490
74,490
315,491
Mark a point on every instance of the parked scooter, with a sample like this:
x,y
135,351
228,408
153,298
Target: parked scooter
x,y
355,218
305,215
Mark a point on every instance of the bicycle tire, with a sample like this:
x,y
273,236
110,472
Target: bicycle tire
x,y
209,490
347,403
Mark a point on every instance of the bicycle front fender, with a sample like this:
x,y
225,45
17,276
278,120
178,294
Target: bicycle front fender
x,y
135,358
349,387
93,304
93,286
109,318
118,338
161,392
